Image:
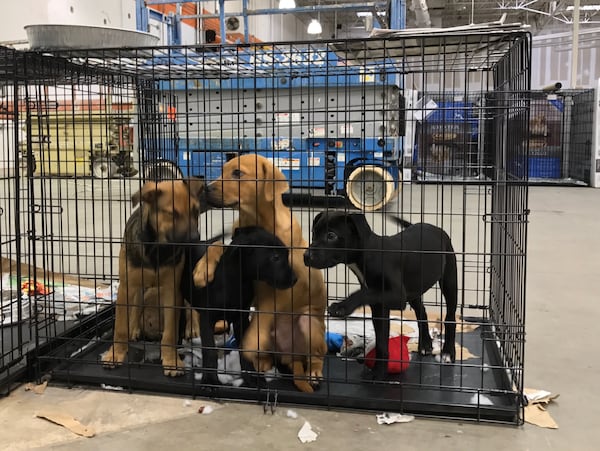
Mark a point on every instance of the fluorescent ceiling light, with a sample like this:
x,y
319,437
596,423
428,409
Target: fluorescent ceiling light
x,y
368,13
585,8
314,27
287,4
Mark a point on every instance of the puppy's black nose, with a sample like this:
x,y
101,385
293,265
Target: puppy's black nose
x,y
307,257
194,236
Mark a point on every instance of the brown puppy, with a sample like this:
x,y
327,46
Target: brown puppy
x,y
254,186
151,261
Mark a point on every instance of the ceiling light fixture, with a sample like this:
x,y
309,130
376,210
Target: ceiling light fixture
x,y
287,4
585,8
314,27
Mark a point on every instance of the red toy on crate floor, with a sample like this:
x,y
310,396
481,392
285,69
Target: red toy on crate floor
x,y
399,355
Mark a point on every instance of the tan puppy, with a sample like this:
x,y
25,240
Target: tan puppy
x,y
151,261
254,186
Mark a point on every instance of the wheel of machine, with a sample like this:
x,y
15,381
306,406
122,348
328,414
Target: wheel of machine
x,y
103,168
162,170
369,187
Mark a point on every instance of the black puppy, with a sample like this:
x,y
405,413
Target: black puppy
x,y
392,271
253,255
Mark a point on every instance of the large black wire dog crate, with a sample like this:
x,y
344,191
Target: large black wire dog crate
x,y
14,340
336,118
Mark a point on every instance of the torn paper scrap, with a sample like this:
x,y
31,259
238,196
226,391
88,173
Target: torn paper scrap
x,y
38,389
68,422
111,387
306,434
389,418
291,413
207,410
539,396
533,395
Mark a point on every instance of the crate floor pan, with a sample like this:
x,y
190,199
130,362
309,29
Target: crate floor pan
x,y
476,389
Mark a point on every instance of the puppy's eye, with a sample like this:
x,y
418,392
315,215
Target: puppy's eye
x,y
275,258
332,236
236,173
175,214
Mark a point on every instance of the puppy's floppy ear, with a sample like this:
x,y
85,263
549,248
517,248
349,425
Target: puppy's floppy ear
x,y
149,194
195,185
317,219
242,236
360,223
239,231
274,182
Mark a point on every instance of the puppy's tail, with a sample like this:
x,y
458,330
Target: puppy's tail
x,y
401,222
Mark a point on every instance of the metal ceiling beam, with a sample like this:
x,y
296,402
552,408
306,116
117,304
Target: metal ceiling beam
x,y
575,51
300,10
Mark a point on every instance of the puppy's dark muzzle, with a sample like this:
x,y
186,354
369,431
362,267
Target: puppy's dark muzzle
x,y
204,205
214,195
316,260
194,236
289,282
308,257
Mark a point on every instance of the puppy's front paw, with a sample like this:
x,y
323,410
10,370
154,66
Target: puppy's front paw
x,y
192,325
425,345
173,367
263,364
304,386
210,378
448,354
203,273
338,310
113,358
135,333
379,371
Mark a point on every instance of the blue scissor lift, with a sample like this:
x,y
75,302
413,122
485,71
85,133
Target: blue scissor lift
x,y
333,129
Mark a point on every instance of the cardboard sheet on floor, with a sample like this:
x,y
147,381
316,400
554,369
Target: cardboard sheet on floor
x,y
38,389
102,411
536,412
67,421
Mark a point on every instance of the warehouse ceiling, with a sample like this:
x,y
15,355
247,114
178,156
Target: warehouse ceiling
x,y
541,15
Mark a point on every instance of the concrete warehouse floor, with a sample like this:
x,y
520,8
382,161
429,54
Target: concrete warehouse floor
x,y
563,308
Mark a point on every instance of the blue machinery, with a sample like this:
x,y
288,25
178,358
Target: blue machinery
x,y
331,128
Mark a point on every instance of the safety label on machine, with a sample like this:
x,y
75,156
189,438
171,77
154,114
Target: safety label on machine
x,y
287,118
282,144
317,132
366,76
289,164
346,130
